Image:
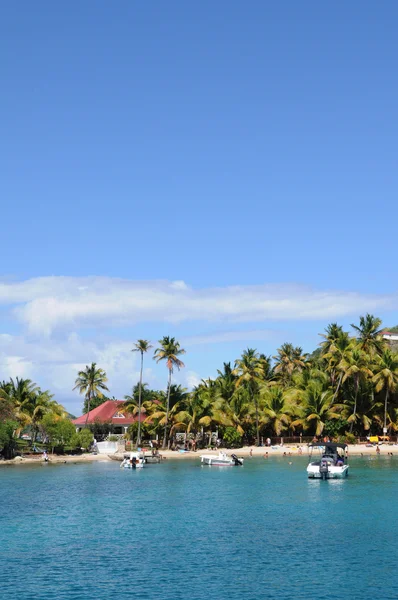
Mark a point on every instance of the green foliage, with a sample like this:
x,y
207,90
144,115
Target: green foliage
x,y
85,438
7,442
231,438
91,382
335,428
57,430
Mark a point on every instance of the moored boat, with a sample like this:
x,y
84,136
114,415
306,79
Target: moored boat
x,y
221,460
331,464
134,461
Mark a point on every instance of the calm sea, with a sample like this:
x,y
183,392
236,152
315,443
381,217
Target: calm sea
x,y
181,531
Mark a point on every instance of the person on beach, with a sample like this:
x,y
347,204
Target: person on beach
x,y
45,456
251,452
377,450
266,455
268,442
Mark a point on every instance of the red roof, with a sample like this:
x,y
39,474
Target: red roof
x,y
109,412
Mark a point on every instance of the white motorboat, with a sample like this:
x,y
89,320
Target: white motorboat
x,y
221,460
134,461
331,464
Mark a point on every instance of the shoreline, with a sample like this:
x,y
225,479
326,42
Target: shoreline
x,y
55,459
289,450
353,450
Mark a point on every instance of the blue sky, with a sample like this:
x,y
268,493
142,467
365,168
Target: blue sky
x,y
223,172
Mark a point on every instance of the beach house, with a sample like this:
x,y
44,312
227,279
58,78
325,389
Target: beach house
x,y
108,413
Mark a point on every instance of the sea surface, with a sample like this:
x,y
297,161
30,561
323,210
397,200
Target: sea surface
x,y
180,531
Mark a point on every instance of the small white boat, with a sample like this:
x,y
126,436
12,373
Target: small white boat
x,y
135,461
221,460
331,465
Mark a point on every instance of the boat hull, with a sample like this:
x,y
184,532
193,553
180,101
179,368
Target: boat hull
x,y
333,472
217,463
222,460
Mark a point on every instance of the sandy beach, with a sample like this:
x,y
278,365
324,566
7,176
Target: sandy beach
x,y
353,449
289,450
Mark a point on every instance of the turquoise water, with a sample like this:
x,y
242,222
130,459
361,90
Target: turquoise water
x,y
179,530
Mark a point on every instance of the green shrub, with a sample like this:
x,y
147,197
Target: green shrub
x,y
232,438
58,431
82,440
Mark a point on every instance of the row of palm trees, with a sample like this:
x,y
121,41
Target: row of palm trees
x,y
24,403
347,386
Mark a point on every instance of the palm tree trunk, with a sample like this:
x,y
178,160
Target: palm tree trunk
x,y
338,387
355,404
88,407
385,411
167,412
139,402
257,428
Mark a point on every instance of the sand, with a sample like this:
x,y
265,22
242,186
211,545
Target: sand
x,y
289,449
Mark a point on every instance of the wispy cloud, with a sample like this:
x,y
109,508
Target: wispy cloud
x,y
225,337
49,303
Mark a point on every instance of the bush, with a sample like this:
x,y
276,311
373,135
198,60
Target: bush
x,y
232,438
83,439
58,431
7,442
348,438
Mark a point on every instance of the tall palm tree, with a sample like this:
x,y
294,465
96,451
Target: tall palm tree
x,y
250,373
370,338
355,367
336,359
331,335
91,382
226,381
169,351
288,360
141,346
386,377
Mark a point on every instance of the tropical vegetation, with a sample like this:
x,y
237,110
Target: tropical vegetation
x,y
346,387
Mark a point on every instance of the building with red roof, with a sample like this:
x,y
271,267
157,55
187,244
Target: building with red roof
x,y
108,413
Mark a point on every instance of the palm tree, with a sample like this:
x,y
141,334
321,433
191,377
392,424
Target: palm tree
x,y
355,366
331,335
386,377
141,346
250,373
317,407
226,381
20,393
276,408
336,359
369,337
91,382
169,351
288,360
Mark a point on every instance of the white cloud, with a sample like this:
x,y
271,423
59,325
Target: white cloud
x,y
49,303
54,364
192,379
